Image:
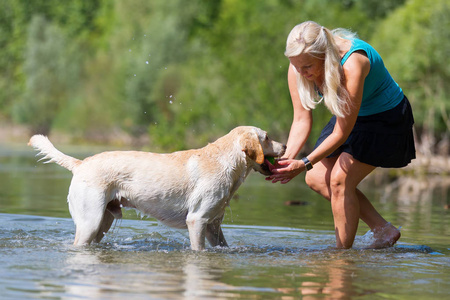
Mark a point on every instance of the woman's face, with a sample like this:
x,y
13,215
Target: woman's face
x,y
308,66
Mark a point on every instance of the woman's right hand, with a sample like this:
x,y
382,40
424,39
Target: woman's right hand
x,y
285,170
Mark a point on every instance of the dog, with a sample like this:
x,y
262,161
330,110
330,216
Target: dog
x,y
185,189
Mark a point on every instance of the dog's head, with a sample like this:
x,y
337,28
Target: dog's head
x,y
257,145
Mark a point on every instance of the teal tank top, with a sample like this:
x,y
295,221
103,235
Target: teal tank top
x,y
381,92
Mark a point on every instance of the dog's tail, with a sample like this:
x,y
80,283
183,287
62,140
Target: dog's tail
x,y
51,154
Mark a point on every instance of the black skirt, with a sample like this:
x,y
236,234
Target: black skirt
x,y
381,140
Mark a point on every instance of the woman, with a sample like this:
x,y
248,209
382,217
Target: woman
x,y
371,126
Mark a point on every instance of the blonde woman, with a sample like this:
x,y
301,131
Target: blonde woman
x,y
371,125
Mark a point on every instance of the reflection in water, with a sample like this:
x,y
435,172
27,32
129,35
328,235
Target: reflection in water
x,y
340,285
194,276
202,279
275,262
191,275
338,282
422,205
413,190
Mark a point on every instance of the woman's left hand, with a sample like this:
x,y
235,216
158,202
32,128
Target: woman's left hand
x,y
285,170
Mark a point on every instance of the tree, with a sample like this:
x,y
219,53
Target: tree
x,y
414,42
50,70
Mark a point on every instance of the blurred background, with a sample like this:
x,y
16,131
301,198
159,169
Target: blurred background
x,y
171,75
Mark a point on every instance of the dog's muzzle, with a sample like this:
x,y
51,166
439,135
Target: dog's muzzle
x,y
265,168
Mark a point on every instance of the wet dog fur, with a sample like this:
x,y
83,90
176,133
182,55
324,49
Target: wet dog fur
x,y
186,189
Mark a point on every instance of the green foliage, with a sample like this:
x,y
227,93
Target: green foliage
x,y
376,8
418,57
186,72
50,71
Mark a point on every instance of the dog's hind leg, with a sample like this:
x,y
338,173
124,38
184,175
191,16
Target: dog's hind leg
x,y
113,211
87,207
214,234
107,221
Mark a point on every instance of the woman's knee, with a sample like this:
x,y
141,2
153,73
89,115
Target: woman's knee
x,y
347,174
310,180
337,183
318,183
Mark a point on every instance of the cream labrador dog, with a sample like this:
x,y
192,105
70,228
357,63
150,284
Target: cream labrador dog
x,y
186,189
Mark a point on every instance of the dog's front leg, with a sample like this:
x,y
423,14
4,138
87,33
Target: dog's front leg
x,y
197,228
215,235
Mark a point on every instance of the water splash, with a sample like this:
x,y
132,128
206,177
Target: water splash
x,y
365,241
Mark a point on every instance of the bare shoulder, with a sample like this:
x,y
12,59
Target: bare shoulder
x,y
357,65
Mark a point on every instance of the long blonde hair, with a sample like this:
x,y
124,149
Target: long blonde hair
x,y
318,41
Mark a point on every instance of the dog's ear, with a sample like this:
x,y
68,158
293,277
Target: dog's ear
x,y
253,148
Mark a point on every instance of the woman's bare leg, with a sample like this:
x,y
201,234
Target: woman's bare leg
x,y
345,176
319,180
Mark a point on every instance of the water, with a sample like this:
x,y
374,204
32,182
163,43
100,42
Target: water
x,y
276,251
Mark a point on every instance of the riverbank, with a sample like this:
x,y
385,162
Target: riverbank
x,y
17,134
429,164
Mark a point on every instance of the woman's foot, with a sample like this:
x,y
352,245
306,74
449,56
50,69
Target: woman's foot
x,y
385,236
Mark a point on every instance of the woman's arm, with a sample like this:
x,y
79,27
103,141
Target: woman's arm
x,y
355,71
302,121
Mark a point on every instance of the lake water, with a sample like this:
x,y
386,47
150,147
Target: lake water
x,y
277,251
